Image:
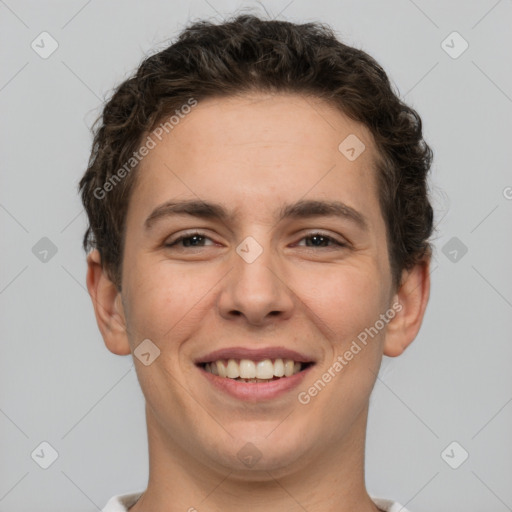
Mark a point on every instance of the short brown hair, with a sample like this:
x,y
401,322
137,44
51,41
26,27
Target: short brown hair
x,y
249,54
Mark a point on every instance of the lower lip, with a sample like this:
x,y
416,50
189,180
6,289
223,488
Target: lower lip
x,y
256,391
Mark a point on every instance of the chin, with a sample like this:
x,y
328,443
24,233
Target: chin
x,y
252,457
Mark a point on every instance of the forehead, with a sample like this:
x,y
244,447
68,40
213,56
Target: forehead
x,y
262,148
294,123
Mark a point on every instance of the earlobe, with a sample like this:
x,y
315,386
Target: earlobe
x,y
108,308
412,298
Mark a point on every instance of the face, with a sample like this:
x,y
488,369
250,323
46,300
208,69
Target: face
x,y
257,270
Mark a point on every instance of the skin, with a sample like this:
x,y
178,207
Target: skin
x,y
255,153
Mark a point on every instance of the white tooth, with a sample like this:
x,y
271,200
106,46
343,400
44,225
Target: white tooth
x,y
247,369
278,368
288,367
296,368
221,369
264,369
232,370
213,369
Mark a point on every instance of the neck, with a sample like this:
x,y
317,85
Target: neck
x,y
326,482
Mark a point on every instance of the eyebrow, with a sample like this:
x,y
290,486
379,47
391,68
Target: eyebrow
x,y
300,210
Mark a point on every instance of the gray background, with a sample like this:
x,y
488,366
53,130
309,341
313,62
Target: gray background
x,y
58,382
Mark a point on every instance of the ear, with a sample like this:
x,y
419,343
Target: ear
x,y
108,307
410,303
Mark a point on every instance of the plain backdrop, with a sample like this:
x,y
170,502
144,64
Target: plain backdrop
x,y
446,398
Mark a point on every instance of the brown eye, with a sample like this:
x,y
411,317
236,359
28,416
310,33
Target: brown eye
x,y
320,239
195,239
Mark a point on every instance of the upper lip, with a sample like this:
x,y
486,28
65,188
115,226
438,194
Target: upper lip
x,y
254,354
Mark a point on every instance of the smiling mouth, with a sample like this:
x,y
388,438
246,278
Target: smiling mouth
x,y
247,370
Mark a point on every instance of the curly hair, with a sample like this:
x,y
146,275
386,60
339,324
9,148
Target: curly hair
x,y
247,54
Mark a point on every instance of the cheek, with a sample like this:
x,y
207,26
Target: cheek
x,y
344,301
166,301
350,302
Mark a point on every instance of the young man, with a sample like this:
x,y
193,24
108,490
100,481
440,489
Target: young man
x,y
259,225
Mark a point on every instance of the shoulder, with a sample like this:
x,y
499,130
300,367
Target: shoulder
x,y
122,502
388,505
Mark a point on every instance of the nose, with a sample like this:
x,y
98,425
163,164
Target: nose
x,y
256,291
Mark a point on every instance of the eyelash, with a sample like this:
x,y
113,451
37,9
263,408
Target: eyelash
x,y
310,235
